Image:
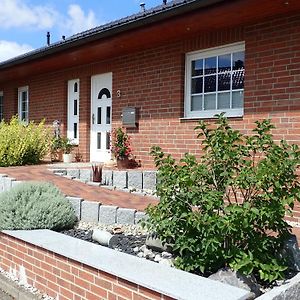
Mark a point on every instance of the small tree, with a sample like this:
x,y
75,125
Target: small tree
x,y
228,209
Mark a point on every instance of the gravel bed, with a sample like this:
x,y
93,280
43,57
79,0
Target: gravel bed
x,y
126,229
129,239
14,276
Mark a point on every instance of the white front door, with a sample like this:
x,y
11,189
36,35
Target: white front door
x,y
101,91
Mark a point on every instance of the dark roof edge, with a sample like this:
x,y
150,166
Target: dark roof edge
x,y
148,17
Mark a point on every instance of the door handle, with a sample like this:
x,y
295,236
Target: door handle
x,y
93,119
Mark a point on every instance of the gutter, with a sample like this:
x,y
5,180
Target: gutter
x,y
148,17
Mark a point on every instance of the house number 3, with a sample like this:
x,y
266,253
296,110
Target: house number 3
x,y
118,93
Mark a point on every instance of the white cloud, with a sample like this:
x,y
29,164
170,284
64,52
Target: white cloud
x,y
78,20
22,14
11,49
16,13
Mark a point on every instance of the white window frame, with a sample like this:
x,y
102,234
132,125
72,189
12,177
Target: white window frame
x,y
72,119
188,113
20,112
1,106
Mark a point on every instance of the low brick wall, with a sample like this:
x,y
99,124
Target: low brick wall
x,y
60,276
69,268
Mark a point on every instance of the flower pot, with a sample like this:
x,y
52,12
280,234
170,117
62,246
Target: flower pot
x,y
68,158
97,173
123,163
56,156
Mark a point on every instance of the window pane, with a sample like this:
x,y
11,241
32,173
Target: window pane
x,y
224,81
108,115
238,80
197,67
210,65
98,140
197,85
99,120
75,87
1,107
238,60
196,103
24,96
224,62
75,107
107,140
210,84
237,99
75,130
23,108
209,102
223,100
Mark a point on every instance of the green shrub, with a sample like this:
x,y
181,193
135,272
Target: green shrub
x,y
22,143
34,205
228,209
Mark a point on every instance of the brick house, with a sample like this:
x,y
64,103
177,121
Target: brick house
x,y
174,64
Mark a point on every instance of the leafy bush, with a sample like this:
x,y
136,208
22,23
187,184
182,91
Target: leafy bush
x,y
228,209
121,147
34,205
22,143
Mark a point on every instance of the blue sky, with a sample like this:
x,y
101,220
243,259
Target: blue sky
x,y
24,23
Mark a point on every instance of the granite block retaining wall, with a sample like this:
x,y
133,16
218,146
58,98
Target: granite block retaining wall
x,y
122,179
89,211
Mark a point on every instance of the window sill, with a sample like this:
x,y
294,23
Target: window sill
x,y
212,115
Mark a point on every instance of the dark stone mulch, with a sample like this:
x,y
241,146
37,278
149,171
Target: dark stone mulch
x,y
121,242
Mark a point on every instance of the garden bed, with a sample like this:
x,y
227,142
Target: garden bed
x,y
131,239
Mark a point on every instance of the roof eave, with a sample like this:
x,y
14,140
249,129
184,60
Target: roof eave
x,y
109,32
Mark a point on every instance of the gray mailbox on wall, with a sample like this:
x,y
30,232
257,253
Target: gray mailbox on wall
x,y
129,117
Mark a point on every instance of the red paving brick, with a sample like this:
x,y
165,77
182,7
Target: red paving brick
x,y
79,189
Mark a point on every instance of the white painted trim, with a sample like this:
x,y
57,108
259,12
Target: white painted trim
x,y
71,118
224,49
189,57
20,90
157,277
209,114
2,104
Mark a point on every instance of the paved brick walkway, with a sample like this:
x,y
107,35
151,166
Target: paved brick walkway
x,y
79,189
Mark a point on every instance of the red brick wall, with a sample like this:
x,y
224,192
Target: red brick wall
x,y
57,275
153,81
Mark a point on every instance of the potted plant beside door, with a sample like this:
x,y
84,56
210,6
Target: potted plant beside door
x,y
67,148
121,148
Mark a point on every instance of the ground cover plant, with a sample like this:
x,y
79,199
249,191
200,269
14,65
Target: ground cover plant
x,y
35,205
22,143
227,208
